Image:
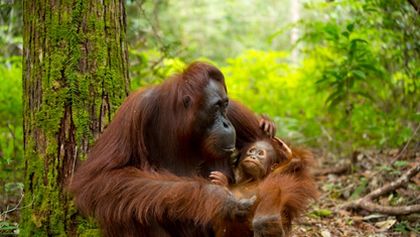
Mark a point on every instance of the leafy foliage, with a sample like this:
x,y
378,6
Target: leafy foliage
x,y
11,134
151,67
11,131
214,29
355,85
365,69
265,81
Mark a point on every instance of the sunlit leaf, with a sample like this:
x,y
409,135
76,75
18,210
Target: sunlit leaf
x,y
359,189
359,74
322,213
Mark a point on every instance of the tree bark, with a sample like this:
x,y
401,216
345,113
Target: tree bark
x,y
74,78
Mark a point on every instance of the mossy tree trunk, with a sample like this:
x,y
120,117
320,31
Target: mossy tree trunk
x,y
74,78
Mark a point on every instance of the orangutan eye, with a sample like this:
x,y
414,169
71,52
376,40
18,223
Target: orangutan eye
x,y
251,151
225,103
217,106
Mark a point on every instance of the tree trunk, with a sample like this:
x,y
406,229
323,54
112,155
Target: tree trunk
x,y
294,35
74,78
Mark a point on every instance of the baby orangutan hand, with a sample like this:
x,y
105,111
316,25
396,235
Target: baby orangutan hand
x,y
217,177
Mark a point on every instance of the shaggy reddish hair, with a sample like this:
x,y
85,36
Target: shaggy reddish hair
x,y
141,176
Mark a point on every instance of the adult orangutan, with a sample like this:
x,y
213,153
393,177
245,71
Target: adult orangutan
x,y
144,175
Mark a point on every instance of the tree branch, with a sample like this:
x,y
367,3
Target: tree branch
x,y
414,5
406,145
337,170
395,211
367,203
405,178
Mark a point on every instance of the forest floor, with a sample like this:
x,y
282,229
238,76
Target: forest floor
x,y
340,184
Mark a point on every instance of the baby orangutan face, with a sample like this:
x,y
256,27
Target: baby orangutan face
x,y
258,160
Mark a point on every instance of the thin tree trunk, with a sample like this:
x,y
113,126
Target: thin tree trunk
x,y
74,78
294,35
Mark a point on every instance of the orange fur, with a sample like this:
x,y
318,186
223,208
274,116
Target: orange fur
x,y
281,197
140,178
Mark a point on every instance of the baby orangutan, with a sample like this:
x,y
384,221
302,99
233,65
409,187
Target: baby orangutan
x,y
269,170
255,162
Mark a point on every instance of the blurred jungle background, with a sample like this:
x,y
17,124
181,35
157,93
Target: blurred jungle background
x,y
340,77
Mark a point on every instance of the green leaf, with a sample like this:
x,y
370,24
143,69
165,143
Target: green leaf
x,y
322,213
346,34
359,74
360,189
350,27
323,80
332,31
400,163
339,92
364,94
6,226
368,66
358,40
336,101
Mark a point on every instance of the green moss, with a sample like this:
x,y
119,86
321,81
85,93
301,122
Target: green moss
x,y
87,228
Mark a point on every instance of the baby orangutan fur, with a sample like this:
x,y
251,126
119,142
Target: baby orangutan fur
x,y
280,179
